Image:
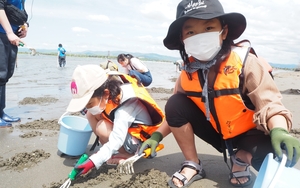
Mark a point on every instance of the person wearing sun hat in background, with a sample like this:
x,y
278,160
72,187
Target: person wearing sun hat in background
x,y
120,112
223,95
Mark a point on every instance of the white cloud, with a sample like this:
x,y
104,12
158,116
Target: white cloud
x,y
271,27
102,18
165,25
141,26
79,29
159,10
107,35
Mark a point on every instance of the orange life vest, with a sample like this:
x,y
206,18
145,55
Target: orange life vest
x,y
229,115
131,90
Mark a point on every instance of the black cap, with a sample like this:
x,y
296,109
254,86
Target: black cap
x,y
203,9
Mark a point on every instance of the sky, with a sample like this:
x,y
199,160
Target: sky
x,y
273,26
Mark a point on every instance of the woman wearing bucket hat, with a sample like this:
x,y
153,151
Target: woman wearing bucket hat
x,y
223,95
120,112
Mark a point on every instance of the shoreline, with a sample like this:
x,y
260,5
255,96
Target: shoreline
x,y
29,156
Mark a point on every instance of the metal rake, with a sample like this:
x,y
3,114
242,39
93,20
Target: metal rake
x,y
126,166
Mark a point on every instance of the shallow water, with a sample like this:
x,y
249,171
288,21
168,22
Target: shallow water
x,y
42,72
40,76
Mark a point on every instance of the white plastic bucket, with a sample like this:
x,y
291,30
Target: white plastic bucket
x,y
274,174
75,133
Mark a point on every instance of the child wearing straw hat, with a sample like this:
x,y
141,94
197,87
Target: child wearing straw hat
x,y
223,95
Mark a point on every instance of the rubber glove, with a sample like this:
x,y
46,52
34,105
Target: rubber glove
x,y
84,167
282,140
152,143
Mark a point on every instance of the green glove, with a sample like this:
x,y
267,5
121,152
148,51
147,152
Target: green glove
x,y
282,140
152,143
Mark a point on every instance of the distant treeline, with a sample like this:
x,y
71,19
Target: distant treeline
x,y
287,68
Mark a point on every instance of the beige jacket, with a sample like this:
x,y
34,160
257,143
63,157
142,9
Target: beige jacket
x,y
262,91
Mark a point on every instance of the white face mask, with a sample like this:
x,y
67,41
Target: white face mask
x,y
95,110
203,46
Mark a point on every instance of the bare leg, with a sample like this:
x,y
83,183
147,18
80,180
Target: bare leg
x,y
93,121
184,136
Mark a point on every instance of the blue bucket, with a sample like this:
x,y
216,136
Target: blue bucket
x,y
274,174
75,133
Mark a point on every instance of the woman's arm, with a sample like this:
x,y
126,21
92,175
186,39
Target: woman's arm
x,y
4,22
14,39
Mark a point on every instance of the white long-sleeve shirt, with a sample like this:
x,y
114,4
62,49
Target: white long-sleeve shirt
x,y
132,111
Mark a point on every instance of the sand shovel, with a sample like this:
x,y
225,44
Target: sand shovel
x,y
126,166
74,172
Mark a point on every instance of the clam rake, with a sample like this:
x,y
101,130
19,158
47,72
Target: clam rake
x,y
74,172
126,166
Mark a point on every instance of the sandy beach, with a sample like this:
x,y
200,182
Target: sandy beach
x,y
29,157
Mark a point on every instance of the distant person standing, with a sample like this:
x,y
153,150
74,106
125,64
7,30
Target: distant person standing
x,y
12,29
61,56
135,68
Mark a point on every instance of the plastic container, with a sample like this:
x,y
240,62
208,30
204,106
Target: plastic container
x,y
75,133
274,174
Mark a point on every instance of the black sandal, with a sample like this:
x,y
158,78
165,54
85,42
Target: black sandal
x,y
239,174
192,165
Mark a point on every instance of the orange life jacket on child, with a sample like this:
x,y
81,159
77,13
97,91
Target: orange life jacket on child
x,y
229,115
131,90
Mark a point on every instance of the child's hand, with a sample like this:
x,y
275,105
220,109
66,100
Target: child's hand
x,y
152,143
84,167
282,140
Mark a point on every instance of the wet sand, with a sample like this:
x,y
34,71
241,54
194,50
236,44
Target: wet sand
x,y
29,156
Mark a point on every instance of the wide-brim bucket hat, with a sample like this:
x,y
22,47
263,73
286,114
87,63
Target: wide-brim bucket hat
x,y
203,9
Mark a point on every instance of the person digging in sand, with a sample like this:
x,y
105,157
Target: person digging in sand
x,y
223,95
120,112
